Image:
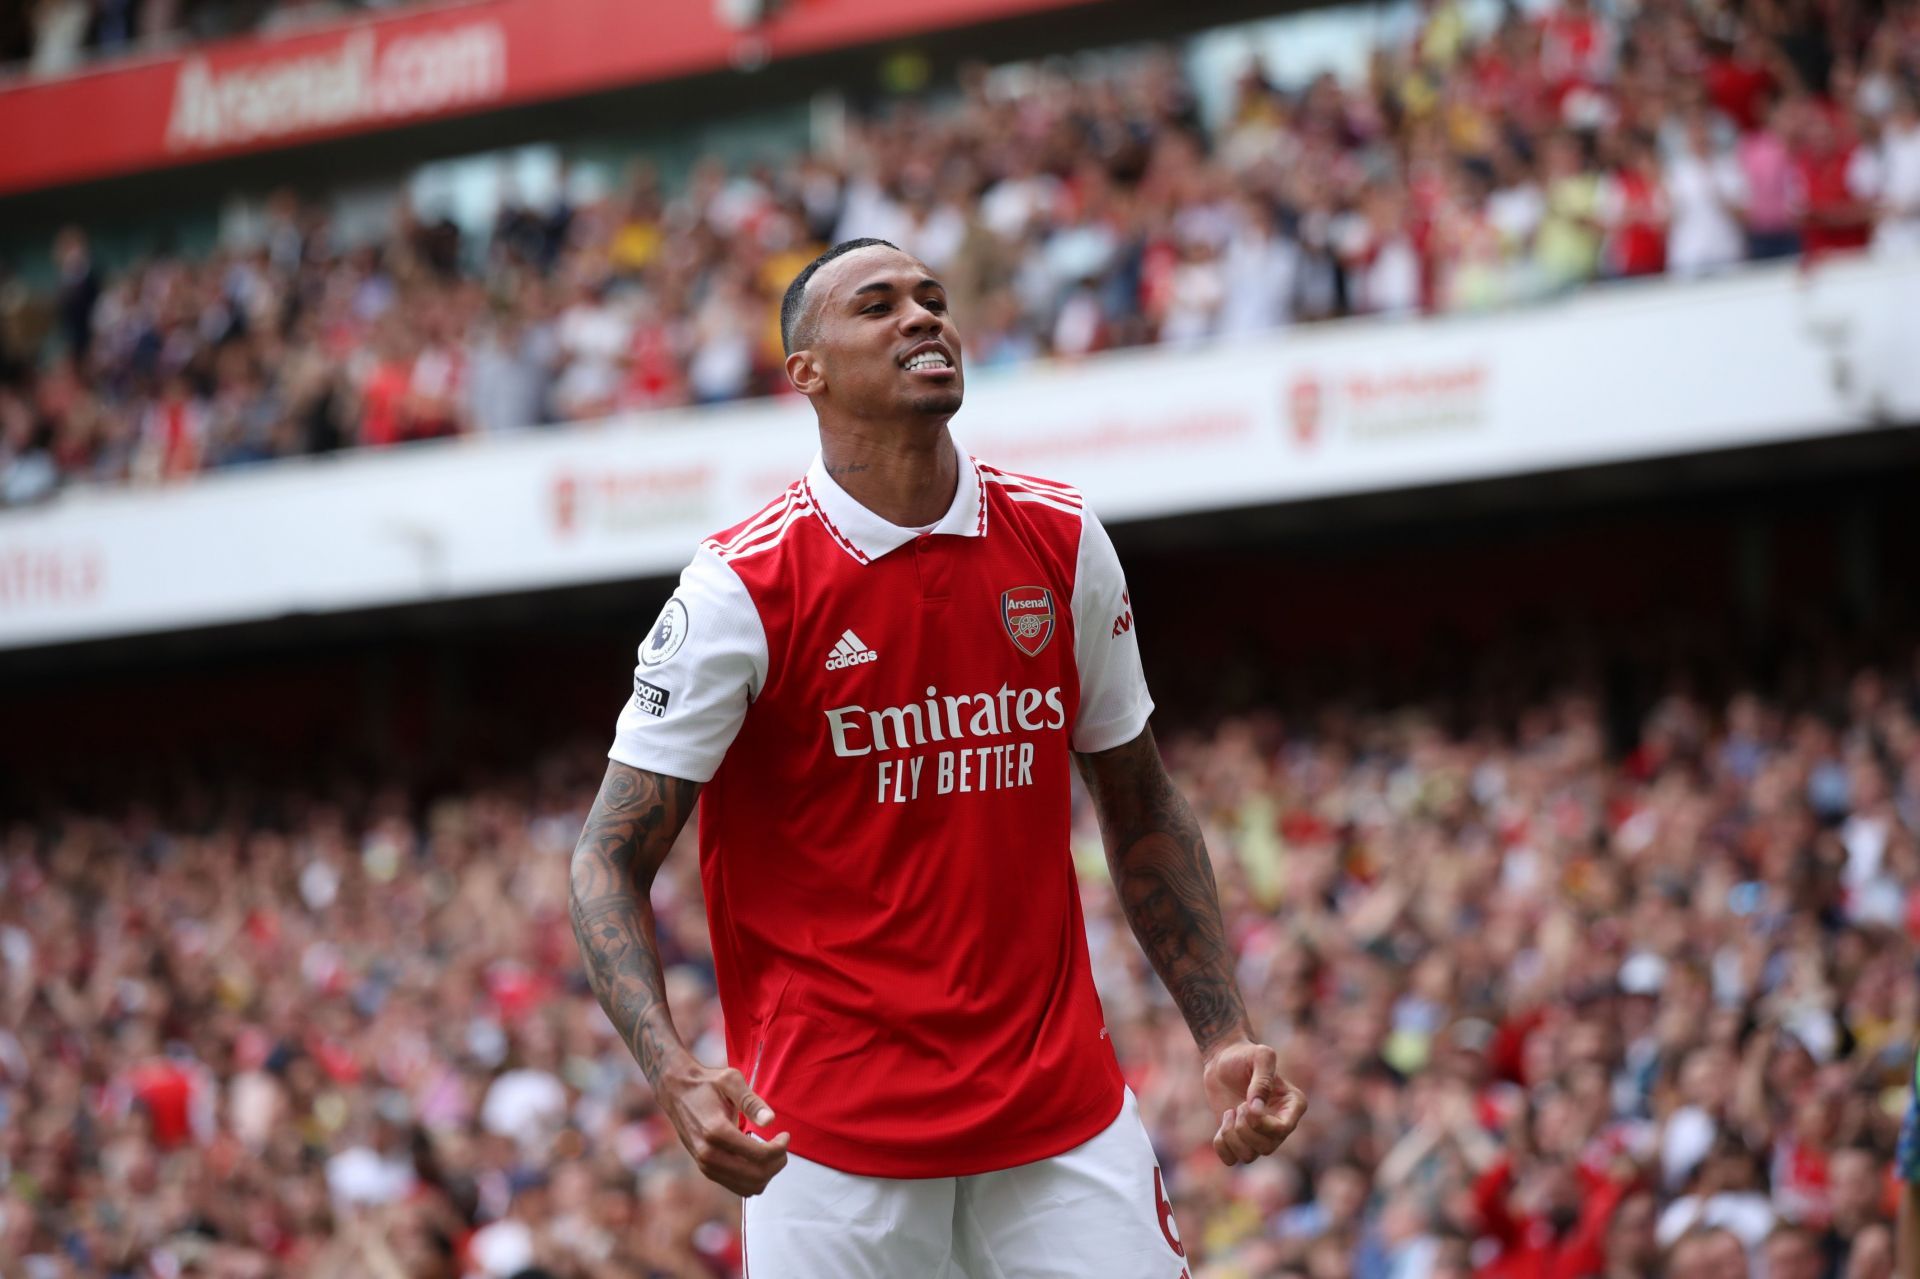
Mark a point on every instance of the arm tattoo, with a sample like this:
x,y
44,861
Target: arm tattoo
x,y
635,819
1165,881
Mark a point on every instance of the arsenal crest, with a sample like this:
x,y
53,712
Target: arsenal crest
x,y
1027,612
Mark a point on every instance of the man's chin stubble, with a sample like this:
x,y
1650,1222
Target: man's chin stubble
x,y
932,403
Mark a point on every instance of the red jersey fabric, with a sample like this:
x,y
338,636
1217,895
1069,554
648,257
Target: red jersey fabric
x,y
887,718
1528,1247
1573,51
1639,245
1739,90
164,1089
383,404
1825,196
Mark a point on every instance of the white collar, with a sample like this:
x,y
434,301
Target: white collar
x,y
867,537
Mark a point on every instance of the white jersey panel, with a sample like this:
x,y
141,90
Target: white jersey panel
x,y
1114,704
700,665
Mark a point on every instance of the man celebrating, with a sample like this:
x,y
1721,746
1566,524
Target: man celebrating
x,y
879,680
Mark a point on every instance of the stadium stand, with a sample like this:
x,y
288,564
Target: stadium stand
x,y
1473,168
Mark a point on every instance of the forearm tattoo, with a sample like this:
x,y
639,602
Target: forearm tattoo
x,y
1166,886
634,821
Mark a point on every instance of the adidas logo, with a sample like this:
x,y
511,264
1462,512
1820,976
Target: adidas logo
x,y
849,652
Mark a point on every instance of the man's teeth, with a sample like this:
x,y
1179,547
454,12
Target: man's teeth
x,y
928,360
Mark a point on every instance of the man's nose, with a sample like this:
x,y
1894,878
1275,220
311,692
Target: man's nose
x,y
915,318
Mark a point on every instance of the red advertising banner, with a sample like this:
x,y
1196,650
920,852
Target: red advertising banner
x,y
261,92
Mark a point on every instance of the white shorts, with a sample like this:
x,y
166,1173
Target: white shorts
x,y
1098,1210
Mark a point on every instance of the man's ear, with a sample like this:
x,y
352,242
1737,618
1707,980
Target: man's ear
x,y
806,374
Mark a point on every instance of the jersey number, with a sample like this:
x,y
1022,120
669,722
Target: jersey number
x,y
1167,1226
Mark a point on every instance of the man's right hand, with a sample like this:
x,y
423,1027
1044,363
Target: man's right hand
x,y
705,1103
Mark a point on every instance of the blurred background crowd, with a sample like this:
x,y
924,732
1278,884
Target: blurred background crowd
x,y
1569,1003
1474,164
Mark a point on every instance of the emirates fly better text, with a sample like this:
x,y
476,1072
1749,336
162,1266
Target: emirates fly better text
x,y
951,717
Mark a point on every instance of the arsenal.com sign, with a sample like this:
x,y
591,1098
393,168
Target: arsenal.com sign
x,y
419,62
362,79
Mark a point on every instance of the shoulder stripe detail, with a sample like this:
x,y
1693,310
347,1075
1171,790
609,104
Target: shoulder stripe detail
x,y
770,537
765,518
1016,484
999,476
827,523
1019,495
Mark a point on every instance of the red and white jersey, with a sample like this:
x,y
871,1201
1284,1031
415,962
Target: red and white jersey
x,y
884,719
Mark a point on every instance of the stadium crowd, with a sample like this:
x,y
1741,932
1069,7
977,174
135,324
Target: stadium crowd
x,y
1563,1011
1469,168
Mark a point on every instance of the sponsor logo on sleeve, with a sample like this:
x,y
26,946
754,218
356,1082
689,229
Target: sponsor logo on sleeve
x,y
1027,613
667,635
650,698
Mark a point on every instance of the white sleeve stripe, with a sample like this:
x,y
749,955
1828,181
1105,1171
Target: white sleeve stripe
x,y
769,538
753,526
1019,496
1037,486
1010,477
1041,486
770,515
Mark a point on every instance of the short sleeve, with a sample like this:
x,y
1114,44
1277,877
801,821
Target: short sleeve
x,y
1114,704
699,667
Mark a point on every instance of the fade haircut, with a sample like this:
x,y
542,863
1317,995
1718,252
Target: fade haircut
x,y
794,331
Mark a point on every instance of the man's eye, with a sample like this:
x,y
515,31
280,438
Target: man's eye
x,y
875,309
936,304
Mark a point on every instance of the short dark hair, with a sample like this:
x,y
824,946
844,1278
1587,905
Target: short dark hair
x,y
793,305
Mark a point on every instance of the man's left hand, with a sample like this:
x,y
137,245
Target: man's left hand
x,y
1257,1108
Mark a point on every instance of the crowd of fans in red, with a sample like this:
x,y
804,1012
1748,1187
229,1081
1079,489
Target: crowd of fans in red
x,y
1467,169
1562,1011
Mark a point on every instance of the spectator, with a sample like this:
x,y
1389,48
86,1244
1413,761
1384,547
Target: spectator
x,y
1377,251
510,361
1832,217
1708,195
79,292
1855,1175
1792,1254
1567,245
1478,267
1887,175
1632,1248
1708,1254
1636,212
1766,164
59,34
593,336
1727,1192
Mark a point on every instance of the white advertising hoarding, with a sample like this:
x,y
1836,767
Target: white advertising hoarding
x,y
1612,375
